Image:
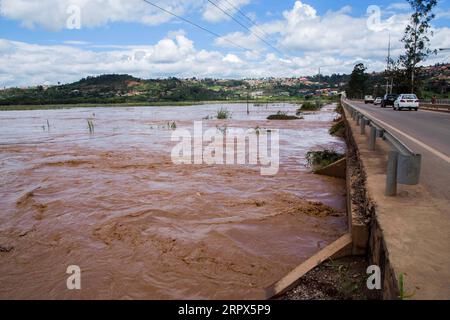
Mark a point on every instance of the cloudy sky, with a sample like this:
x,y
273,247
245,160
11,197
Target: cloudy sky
x,y
51,41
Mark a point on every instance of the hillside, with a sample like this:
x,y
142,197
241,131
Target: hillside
x,y
119,88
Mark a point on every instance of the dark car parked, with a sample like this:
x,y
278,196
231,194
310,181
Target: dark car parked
x,y
388,100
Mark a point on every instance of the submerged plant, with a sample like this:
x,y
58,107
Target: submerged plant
x,y
321,159
90,126
309,106
280,115
223,113
338,128
172,125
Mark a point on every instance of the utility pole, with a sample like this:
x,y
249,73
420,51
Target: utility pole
x,y
389,80
248,110
319,76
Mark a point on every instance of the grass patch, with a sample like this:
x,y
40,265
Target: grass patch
x,y
321,159
282,116
223,113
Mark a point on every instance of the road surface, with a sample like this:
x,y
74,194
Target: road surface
x,y
425,132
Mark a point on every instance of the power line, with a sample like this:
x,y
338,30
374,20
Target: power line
x,y
246,17
196,25
261,30
244,26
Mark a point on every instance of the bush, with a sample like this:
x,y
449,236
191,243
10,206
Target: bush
x,y
321,159
282,116
310,106
339,108
338,129
223,113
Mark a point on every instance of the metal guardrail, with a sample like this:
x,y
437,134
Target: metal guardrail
x,y
436,107
403,164
437,101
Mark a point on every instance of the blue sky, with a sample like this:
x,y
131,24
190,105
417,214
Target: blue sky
x,y
309,34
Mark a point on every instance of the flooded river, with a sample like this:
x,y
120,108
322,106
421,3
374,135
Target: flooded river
x,y
140,227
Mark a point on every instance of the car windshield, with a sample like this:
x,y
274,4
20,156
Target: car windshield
x,y
409,96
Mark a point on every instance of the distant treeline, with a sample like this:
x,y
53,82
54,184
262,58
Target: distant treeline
x,y
117,89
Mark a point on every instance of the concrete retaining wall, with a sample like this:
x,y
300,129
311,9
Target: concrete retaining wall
x,y
366,232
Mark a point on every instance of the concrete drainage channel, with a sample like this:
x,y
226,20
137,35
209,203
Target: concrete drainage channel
x,y
365,237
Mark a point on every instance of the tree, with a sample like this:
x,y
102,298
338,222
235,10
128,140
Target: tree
x,y
357,84
415,39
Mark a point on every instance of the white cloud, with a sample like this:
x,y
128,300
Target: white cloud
x,y
404,6
53,14
213,14
175,55
76,42
334,41
232,58
336,34
248,41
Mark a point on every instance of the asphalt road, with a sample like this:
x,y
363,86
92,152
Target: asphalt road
x,y
425,132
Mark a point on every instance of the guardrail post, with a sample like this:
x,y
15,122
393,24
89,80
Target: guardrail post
x,y
391,177
363,125
372,138
358,119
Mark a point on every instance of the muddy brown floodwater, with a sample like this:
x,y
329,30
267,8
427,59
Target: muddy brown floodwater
x,y
141,227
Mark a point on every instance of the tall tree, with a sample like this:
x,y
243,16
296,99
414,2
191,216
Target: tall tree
x,y
415,39
357,84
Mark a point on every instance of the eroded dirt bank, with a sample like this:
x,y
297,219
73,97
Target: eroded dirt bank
x,y
139,226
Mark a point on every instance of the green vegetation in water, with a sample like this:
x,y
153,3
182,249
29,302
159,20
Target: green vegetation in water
x,y
172,125
321,159
90,126
310,106
46,127
223,113
338,129
283,116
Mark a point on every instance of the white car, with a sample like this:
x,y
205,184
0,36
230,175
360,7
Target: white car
x,y
406,101
368,99
378,101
